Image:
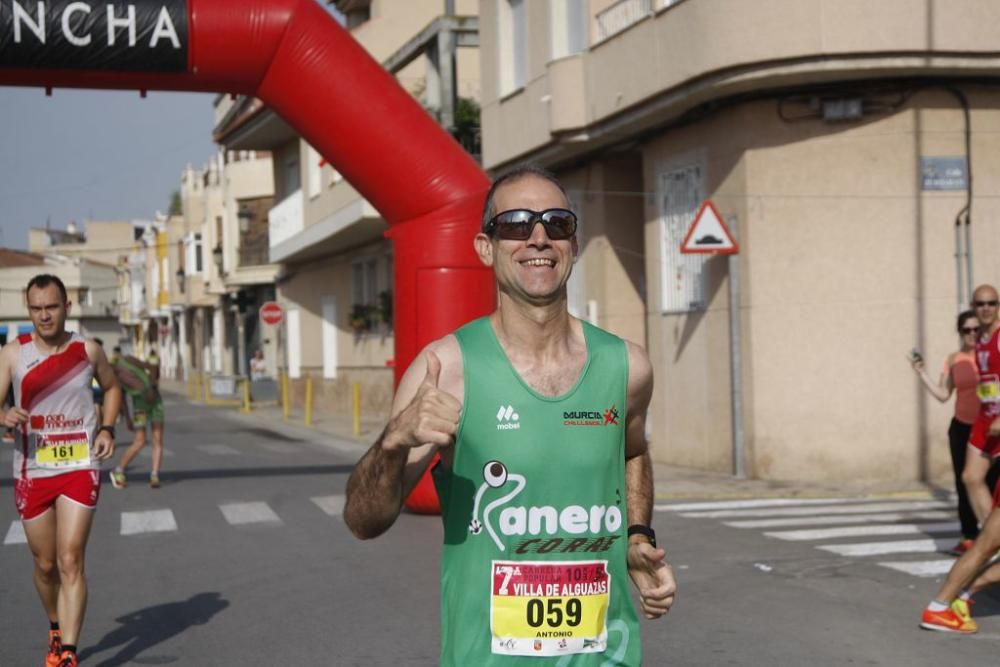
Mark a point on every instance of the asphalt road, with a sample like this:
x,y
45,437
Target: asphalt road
x,y
242,558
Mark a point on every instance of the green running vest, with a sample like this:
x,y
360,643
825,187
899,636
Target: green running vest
x,y
533,567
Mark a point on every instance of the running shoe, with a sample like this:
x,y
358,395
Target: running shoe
x,y
55,649
154,481
118,479
949,620
68,659
961,547
963,609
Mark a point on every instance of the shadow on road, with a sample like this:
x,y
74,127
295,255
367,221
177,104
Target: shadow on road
x,y
148,627
216,473
175,476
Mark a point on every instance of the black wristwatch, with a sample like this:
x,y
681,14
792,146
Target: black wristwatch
x,y
639,529
109,429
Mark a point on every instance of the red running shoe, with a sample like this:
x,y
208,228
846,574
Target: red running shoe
x,y
949,620
55,649
960,548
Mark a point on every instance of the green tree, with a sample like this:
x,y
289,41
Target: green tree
x,y
175,203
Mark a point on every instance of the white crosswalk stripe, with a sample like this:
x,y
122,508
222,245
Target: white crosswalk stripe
x,y
884,548
149,521
332,505
252,512
923,568
864,508
15,534
814,520
847,527
750,504
865,531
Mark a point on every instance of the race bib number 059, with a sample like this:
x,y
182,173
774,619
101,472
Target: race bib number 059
x,y
62,450
549,607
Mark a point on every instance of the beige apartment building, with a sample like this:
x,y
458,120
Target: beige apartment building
x,y
91,287
216,265
336,279
838,140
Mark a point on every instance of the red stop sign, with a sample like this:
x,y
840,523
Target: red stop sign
x,y
271,312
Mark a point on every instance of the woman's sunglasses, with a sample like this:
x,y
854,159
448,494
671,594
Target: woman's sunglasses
x,y
968,330
518,223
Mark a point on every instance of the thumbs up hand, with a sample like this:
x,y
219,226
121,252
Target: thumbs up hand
x,y
431,417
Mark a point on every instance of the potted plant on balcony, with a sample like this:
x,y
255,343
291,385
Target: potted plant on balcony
x,y
360,319
385,307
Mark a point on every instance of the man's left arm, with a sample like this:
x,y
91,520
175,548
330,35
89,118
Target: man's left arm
x,y
647,564
104,442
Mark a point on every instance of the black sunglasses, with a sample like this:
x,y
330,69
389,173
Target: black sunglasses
x,y
968,330
518,223
979,304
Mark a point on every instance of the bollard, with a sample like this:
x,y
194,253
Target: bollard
x,y
357,408
246,396
309,401
284,396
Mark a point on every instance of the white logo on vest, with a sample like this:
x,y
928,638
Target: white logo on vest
x,y
545,519
509,420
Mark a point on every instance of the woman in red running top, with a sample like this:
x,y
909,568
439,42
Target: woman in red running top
x,y
959,376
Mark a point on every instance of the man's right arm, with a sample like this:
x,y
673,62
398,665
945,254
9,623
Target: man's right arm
x,y
424,419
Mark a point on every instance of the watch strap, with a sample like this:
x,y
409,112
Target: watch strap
x,y
639,529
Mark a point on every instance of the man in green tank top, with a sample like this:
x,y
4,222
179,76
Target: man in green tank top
x,y
140,380
544,477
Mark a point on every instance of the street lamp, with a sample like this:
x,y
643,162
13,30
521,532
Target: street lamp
x,y
217,256
245,216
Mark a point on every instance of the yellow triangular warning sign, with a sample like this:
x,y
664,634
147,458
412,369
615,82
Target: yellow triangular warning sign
x,y
708,234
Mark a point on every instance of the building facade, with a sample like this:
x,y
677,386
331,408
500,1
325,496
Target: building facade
x,y
222,272
336,279
91,288
838,141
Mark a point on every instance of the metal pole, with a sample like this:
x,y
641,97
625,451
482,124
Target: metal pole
x,y
736,360
357,408
958,264
241,344
968,258
284,396
308,416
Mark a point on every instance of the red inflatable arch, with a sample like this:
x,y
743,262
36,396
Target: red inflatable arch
x,y
294,57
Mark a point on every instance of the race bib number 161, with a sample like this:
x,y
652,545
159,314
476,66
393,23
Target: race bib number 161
x,y
549,607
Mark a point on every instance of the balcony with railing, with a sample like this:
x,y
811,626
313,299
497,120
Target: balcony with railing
x,y
254,251
620,16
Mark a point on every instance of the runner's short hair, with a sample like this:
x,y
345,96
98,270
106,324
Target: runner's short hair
x,y
516,174
43,280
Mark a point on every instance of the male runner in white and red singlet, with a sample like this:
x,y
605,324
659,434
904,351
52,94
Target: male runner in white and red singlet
x,y
984,441
973,571
57,453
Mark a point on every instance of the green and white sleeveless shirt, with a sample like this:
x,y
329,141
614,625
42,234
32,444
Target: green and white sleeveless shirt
x,y
533,569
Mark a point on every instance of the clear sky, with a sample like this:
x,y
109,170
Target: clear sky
x,y
104,155
100,155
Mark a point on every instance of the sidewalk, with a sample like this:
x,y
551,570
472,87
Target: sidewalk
x,y
672,483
